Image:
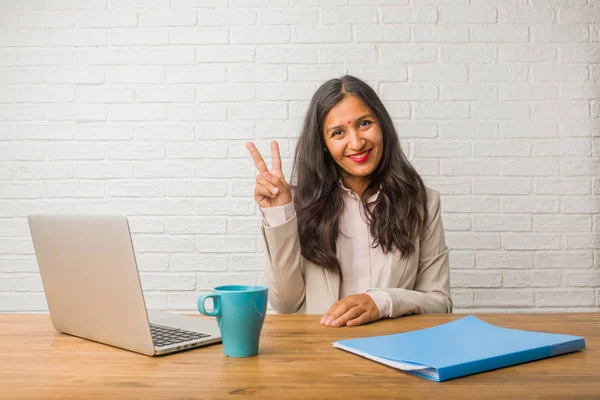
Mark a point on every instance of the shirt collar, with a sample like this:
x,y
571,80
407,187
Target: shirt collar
x,y
353,194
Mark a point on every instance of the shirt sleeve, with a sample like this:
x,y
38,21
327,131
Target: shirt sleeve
x,y
279,215
284,272
383,301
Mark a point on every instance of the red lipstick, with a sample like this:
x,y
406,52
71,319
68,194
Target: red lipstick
x,y
363,158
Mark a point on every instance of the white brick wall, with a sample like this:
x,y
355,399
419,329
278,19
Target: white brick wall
x,y
143,107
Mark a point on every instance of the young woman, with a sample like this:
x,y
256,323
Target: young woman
x,y
357,235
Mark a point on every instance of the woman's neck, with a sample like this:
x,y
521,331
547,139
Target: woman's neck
x,y
358,184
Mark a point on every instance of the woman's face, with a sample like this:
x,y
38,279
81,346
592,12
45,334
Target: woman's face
x,y
353,138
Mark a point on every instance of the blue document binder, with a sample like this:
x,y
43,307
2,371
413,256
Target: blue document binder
x,y
462,347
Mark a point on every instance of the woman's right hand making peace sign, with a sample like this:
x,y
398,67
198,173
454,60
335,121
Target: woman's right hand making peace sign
x,y
271,188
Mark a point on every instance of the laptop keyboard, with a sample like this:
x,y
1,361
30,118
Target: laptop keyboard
x,y
166,336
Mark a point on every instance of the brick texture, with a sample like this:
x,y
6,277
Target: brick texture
x,y
143,107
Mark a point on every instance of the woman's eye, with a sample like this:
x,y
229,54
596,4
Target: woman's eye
x,y
365,123
338,132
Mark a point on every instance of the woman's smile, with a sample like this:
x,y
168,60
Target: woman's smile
x,y
361,157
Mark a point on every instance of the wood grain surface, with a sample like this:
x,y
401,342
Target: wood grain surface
x,y
296,360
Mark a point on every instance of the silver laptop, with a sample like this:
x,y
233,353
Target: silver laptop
x,y
93,289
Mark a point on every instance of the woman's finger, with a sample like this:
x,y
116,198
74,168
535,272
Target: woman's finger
x,y
276,159
258,160
330,311
262,180
260,190
360,320
341,309
352,313
276,181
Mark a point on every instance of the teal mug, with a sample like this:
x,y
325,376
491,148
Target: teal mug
x,y
240,312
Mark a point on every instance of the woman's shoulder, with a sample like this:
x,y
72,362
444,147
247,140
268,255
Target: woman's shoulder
x,y
433,198
431,192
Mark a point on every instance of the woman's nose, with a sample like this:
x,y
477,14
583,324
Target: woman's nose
x,y
356,140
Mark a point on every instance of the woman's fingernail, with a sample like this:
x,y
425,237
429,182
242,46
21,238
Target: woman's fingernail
x,y
335,323
275,190
328,322
267,175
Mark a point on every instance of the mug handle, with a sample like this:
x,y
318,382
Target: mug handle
x,y
216,312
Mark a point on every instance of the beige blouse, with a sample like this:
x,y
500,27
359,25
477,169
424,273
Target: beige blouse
x,y
419,283
356,255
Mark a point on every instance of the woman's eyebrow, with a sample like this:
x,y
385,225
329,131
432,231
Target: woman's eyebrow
x,y
357,119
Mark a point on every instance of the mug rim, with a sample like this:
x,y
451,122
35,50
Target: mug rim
x,y
240,288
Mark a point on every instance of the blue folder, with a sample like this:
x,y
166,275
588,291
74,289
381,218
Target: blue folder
x,y
462,347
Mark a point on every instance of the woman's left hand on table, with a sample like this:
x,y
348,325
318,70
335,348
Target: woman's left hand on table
x,y
354,310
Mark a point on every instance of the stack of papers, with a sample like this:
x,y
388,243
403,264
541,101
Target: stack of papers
x,y
462,347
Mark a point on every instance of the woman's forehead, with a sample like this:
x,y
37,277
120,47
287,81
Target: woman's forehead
x,y
346,110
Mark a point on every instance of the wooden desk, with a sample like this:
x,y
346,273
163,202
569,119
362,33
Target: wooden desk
x,y
296,360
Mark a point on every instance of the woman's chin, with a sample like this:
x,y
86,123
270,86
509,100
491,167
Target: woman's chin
x,y
360,171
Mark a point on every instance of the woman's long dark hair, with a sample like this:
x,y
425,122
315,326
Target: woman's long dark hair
x,y
397,216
